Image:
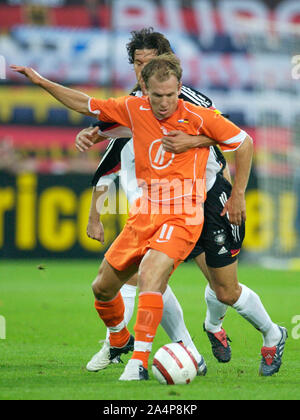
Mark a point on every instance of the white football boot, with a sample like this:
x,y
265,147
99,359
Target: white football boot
x,y
202,368
101,359
134,371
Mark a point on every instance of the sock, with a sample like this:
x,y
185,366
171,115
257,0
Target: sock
x,y
173,322
149,314
112,314
250,307
215,312
128,293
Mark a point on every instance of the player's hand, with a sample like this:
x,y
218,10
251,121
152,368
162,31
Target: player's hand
x,y
179,142
235,206
87,137
176,142
95,230
32,75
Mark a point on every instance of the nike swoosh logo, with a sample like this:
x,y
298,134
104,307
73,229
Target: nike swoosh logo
x,y
144,109
162,240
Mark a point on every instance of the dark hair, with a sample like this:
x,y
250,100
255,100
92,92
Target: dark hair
x,y
162,67
147,39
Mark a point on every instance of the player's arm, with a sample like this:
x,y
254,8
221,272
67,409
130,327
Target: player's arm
x,y
232,138
100,131
179,142
87,137
236,204
224,168
71,98
95,228
227,174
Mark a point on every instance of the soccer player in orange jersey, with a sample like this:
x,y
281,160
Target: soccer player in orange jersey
x,y
217,249
155,242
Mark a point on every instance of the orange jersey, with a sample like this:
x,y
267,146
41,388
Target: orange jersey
x,y
166,176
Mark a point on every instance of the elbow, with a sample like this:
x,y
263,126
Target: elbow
x,y
84,106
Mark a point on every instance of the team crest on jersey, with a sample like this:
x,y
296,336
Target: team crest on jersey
x,y
159,158
220,237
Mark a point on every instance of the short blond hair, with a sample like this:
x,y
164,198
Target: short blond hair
x,y
162,67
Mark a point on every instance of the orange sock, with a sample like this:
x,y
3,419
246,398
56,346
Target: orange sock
x,y
112,314
149,314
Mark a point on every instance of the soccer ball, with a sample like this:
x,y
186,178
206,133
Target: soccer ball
x,y
174,364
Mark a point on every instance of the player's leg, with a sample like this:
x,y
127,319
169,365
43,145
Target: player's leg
x,y
216,310
174,325
172,319
244,300
101,359
128,291
222,243
172,322
110,305
153,276
248,304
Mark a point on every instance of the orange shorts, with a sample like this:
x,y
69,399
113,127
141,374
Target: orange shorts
x,y
165,233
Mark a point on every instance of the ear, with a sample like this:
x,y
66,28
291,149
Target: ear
x,y
143,87
179,88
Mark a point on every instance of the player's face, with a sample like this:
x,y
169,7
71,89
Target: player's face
x,y
141,58
163,96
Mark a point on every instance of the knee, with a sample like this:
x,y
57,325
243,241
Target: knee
x,y
101,292
228,296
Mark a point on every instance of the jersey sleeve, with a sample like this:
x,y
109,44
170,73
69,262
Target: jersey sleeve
x,y
111,110
229,136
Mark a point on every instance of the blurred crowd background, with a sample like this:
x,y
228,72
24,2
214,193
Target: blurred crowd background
x,y
245,55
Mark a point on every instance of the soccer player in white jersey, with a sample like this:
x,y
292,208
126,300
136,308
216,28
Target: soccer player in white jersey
x,y
218,247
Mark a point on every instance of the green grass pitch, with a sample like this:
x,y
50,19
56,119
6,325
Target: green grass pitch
x,y
52,330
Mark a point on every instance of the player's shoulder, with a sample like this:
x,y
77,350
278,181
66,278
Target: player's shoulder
x,y
195,97
138,101
127,100
197,109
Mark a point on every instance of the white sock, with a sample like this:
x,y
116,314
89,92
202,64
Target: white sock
x,y
215,312
250,307
128,293
173,322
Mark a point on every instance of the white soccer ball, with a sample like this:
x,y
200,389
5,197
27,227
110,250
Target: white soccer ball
x,y
174,364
